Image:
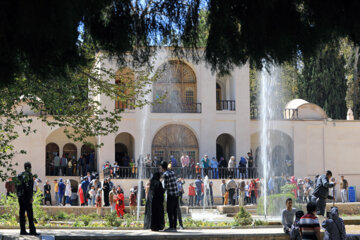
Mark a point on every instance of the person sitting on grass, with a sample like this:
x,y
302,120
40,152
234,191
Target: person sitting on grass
x,y
288,215
309,223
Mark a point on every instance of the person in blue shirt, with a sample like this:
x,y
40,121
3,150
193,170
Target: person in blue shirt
x,y
205,165
84,187
61,191
214,167
198,187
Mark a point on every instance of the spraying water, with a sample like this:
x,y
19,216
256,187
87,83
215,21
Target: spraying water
x,y
140,162
269,110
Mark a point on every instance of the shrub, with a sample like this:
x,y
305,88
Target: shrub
x,y
85,219
61,216
259,222
11,205
111,220
288,188
243,218
275,204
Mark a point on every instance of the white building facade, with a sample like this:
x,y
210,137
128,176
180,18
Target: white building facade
x,y
205,113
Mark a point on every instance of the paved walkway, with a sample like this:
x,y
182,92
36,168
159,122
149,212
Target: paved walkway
x,y
208,234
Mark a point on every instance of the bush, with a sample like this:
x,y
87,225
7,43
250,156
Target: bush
x,y
61,216
85,219
288,188
11,205
259,222
243,218
111,220
275,204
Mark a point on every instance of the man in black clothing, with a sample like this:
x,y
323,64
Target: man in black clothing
x,y
250,161
25,194
171,189
321,192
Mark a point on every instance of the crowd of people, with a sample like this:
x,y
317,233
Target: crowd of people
x,y
186,167
70,166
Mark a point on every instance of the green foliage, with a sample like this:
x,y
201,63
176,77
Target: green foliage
x,y
39,213
111,220
323,81
288,189
61,216
243,218
10,204
259,222
275,204
86,219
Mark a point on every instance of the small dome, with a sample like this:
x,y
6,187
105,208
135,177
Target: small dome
x,y
303,110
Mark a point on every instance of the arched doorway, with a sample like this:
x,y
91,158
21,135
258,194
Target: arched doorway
x,y
88,150
52,150
177,83
124,149
70,151
173,140
280,153
225,146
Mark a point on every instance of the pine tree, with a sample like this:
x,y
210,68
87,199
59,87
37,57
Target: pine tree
x,y
323,81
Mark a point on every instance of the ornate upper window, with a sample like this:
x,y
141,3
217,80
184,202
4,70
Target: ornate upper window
x,y
177,86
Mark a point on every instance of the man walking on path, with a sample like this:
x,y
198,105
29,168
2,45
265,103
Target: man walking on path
x,y
344,189
321,192
231,187
172,196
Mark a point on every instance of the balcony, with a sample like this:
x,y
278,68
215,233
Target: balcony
x,y
176,108
228,105
128,105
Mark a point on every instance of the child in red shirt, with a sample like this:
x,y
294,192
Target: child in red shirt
x,y
191,194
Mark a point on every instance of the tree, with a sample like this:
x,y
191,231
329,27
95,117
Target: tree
x,y
66,102
41,37
323,82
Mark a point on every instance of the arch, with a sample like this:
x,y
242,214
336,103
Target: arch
x,y
280,153
225,146
124,148
52,150
70,151
173,139
88,150
177,85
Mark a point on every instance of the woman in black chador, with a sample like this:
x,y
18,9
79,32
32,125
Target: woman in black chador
x,y
154,209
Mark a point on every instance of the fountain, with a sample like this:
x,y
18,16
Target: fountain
x,y
270,110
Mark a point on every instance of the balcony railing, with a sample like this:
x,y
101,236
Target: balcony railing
x,y
225,105
186,172
129,104
176,108
287,114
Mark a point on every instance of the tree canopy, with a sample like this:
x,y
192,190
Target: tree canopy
x,y
42,37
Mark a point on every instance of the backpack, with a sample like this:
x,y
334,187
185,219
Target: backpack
x,y
242,161
295,231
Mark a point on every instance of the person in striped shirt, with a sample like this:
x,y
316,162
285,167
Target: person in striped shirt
x,y
309,223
